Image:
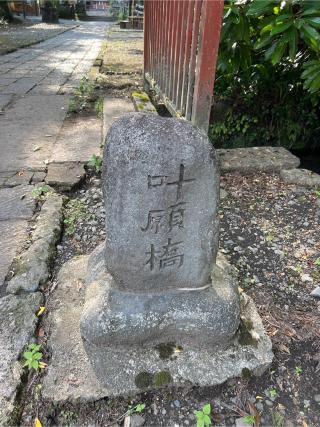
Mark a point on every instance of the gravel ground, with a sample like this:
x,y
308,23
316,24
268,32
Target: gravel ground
x,y
270,232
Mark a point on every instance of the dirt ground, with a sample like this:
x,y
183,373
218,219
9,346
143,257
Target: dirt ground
x,y
270,232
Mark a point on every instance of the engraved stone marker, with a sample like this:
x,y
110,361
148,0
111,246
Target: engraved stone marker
x,y
156,280
161,187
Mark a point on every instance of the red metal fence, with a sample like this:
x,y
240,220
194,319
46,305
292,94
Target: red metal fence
x,y
181,41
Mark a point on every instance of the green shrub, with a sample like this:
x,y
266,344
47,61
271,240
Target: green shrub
x,y
268,74
5,12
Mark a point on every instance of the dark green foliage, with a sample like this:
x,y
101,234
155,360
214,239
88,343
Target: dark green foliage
x,y
268,74
66,10
80,9
5,12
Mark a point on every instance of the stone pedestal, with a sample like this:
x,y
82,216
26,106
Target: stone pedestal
x,y
160,307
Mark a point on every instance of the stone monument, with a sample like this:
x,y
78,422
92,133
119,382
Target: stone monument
x,y
161,306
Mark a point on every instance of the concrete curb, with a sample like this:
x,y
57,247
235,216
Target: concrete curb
x,y
32,267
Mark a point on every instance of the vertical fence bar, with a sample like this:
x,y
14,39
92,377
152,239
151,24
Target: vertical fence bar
x,y
146,39
187,55
181,45
176,52
172,47
209,36
193,57
184,19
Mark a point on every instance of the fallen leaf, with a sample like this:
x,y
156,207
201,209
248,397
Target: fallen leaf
x,y
36,148
254,411
284,349
304,424
37,423
41,311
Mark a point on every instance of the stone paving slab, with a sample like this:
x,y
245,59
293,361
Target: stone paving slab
x,y
17,203
113,108
66,175
4,101
25,143
79,138
40,73
302,177
264,159
13,235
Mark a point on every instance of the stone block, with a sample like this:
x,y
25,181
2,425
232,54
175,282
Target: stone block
x,y
65,176
302,177
256,159
129,370
17,326
161,191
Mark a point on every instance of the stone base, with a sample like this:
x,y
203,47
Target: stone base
x,y
205,318
70,376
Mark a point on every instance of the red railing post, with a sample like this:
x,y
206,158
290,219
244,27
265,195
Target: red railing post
x,y
181,46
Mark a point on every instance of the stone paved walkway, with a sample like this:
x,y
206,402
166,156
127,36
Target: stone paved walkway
x,y
35,88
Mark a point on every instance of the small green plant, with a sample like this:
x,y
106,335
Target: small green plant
x,y
98,106
298,371
74,211
136,409
203,416
82,96
96,163
277,419
39,191
317,262
32,356
298,269
272,393
318,194
249,419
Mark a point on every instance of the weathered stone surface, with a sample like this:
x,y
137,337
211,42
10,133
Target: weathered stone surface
x,y
17,325
4,101
65,176
20,178
316,292
38,177
264,159
154,318
302,177
13,234
74,379
78,139
113,108
161,190
16,203
37,117
142,103
32,266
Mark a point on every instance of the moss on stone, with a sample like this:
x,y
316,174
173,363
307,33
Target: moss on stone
x,y
143,380
19,267
244,335
165,350
162,378
142,96
246,373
